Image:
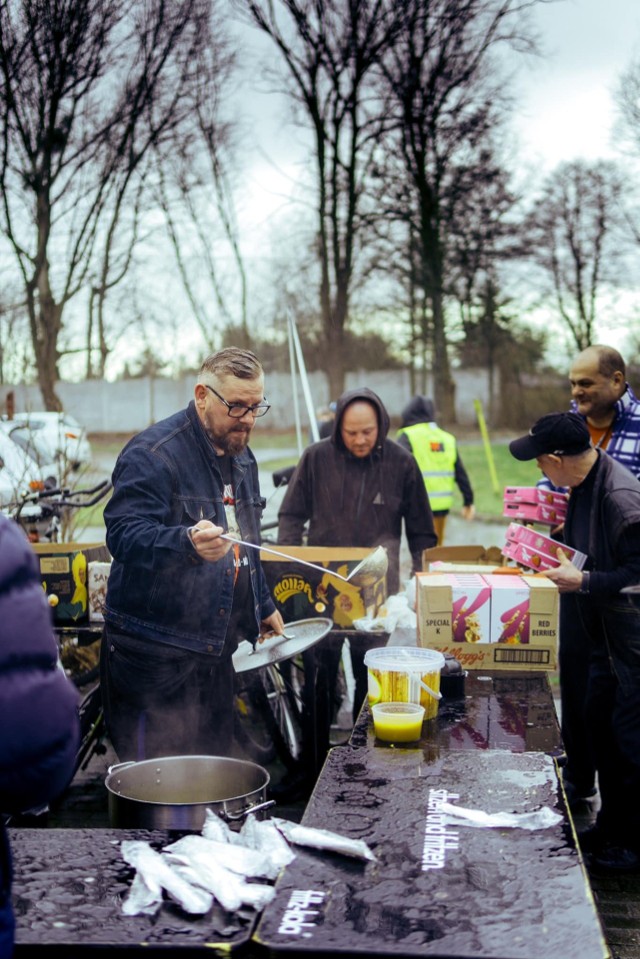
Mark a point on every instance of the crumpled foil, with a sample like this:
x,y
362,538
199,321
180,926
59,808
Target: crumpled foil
x,y
235,869
460,816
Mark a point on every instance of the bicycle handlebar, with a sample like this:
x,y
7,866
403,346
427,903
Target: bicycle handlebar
x,y
58,497
66,494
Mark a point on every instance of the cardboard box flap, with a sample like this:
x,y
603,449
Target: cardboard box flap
x,y
435,592
463,554
544,596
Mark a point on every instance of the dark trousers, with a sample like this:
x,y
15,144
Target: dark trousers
x,y
159,700
613,715
574,658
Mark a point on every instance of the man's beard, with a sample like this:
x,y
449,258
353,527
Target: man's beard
x,y
233,442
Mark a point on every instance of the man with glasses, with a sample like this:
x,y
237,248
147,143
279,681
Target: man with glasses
x,y
180,597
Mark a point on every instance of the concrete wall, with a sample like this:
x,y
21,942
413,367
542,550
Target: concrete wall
x,y
131,405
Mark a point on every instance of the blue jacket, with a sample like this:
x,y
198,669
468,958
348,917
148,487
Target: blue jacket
x,y
38,704
165,480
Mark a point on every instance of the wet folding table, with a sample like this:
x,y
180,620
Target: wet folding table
x,y
451,891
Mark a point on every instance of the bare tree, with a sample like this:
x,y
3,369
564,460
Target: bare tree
x,y
196,194
86,89
572,235
330,49
446,88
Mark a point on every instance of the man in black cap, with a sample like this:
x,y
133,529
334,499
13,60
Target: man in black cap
x,y
603,521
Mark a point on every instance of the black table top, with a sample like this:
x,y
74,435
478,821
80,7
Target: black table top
x,y
498,710
68,890
436,890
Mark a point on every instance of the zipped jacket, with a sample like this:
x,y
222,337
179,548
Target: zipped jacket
x,y
165,480
38,705
359,502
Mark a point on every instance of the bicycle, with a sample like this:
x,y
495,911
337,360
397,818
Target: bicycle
x,y
43,514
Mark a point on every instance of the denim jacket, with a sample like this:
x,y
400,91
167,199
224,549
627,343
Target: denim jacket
x,y
165,480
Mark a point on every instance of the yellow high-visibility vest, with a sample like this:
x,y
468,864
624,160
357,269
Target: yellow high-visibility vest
x,y
435,451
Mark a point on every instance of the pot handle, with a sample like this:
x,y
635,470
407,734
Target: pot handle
x,y
245,812
118,766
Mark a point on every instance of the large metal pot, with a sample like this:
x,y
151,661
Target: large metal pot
x,y
174,792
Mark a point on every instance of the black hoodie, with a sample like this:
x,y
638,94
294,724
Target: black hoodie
x,y
359,502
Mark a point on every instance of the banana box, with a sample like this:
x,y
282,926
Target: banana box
x,y
63,571
300,592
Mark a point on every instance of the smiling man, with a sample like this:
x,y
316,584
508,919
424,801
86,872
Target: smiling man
x,y
179,597
603,521
602,396
603,399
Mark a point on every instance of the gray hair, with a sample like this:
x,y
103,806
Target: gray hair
x,y
232,361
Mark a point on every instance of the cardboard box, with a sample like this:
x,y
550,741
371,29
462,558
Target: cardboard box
x,y
536,551
462,556
509,609
482,568
300,592
534,513
535,495
97,579
453,609
435,624
63,571
534,505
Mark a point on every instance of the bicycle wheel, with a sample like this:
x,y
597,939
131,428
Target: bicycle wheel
x,y
92,728
267,715
285,708
250,729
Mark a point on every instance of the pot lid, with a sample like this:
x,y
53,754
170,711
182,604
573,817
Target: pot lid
x,y
299,636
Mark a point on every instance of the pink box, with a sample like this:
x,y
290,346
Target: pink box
x,y
535,540
526,555
551,513
534,505
553,498
534,494
520,494
526,511
470,607
509,609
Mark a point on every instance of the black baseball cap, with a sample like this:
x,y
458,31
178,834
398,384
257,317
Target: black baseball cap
x,y
565,434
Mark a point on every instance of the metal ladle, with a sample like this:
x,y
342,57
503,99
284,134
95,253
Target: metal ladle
x,y
368,570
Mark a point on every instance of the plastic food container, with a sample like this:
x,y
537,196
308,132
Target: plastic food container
x,y
395,674
398,722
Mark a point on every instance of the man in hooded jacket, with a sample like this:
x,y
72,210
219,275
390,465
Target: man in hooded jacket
x,y
355,489
438,457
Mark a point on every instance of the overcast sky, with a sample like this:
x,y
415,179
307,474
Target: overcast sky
x,y
568,108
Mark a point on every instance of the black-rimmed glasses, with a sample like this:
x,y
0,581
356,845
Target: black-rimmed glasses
x,y
238,410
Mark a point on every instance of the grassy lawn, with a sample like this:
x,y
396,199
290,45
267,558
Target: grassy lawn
x,y
508,471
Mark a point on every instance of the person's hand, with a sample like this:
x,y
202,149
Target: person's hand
x,y
272,624
567,577
469,512
205,537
